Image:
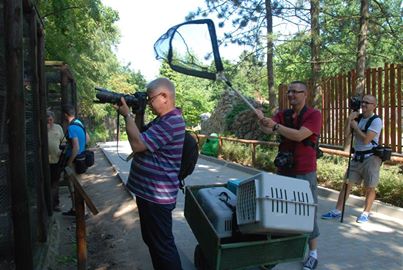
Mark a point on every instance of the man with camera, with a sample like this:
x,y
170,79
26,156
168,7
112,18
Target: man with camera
x,y
154,170
299,129
365,165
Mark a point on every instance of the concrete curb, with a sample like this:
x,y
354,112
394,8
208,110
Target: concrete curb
x,y
356,201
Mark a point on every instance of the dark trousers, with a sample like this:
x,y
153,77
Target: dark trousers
x,y
156,230
54,183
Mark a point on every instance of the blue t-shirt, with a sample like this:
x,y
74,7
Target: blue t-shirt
x,y
76,131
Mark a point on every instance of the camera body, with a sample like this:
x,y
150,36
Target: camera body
x,y
284,160
137,101
355,103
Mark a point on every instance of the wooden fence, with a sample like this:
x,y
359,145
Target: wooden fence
x,y
253,143
383,83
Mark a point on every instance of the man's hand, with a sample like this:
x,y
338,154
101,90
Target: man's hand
x,y
353,115
264,121
259,114
354,125
123,109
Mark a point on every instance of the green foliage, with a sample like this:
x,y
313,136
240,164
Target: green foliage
x,y
193,95
240,107
236,152
82,33
390,187
339,27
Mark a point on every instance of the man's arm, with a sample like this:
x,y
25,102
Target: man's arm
x,y
297,135
366,137
133,133
269,126
74,151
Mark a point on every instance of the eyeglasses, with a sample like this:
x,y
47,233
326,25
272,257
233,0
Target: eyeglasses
x,y
151,99
366,102
292,91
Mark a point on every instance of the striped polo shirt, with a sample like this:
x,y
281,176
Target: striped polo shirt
x,y
154,172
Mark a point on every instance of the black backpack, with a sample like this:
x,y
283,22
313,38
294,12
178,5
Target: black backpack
x,y
190,154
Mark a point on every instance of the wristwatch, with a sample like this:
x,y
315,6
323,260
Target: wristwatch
x,y
130,114
275,127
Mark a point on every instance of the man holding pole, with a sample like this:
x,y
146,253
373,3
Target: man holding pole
x,y
364,166
298,128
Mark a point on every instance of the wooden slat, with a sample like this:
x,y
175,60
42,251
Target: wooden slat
x,y
345,109
338,112
367,81
329,121
392,119
386,105
380,102
373,82
399,109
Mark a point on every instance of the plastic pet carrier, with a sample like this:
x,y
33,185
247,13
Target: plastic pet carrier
x,y
269,203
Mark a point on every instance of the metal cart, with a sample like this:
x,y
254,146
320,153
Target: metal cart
x,y
213,252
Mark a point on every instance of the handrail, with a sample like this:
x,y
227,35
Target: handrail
x,y
395,159
80,197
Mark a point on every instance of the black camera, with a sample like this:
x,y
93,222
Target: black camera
x,y
355,103
383,152
284,160
137,101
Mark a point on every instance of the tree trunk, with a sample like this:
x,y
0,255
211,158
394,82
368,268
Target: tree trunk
x,y
361,49
270,71
315,54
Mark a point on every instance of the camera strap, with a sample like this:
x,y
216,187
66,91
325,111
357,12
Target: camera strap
x,y
289,122
368,124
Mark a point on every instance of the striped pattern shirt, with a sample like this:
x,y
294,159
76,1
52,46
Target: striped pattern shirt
x,y
154,172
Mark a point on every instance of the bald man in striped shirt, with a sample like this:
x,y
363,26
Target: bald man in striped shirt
x,y
154,170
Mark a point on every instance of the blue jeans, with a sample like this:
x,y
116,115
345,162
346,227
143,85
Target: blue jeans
x,y
156,230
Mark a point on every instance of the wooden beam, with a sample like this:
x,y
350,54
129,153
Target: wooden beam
x,y
23,253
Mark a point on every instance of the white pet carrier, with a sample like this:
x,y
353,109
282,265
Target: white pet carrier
x,y
272,203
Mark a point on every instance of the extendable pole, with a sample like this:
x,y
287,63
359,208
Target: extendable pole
x,y
347,178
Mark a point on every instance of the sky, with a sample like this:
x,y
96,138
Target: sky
x,y
143,22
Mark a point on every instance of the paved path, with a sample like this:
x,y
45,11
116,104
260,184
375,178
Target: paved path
x,y
349,245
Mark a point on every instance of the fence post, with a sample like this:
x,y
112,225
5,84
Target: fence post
x,y
80,231
253,154
219,146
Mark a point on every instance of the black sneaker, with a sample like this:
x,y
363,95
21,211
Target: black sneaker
x,y
310,263
71,213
